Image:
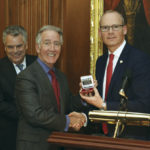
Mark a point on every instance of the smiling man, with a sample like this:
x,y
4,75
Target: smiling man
x,y
121,60
43,97
15,42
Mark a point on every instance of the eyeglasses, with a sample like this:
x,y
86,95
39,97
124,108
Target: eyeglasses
x,y
56,44
114,27
11,47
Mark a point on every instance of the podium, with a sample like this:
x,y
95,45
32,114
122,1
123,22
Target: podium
x,y
74,141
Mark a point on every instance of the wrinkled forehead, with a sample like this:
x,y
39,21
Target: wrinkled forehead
x,y
111,18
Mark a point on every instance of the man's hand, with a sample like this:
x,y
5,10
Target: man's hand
x,y
87,92
95,100
77,120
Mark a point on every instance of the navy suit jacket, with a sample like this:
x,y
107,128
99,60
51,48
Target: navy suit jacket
x,y
8,111
138,91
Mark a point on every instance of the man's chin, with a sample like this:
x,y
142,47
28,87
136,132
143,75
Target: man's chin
x,y
17,61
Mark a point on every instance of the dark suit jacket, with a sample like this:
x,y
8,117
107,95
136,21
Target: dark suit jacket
x,y
8,111
38,107
138,91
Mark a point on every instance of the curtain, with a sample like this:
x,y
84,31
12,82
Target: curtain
x,y
146,4
110,4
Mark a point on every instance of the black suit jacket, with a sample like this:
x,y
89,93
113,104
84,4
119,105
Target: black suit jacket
x,y
37,107
138,91
8,111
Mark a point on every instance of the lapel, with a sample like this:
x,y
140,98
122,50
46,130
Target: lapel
x,y
100,70
120,68
46,85
10,72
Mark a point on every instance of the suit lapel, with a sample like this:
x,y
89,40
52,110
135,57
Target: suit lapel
x,y
45,83
10,68
103,70
100,72
120,68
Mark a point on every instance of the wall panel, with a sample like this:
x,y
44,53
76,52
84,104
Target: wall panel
x,y
77,37
73,16
31,14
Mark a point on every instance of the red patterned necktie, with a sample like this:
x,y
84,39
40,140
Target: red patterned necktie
x,y
55,86
108,79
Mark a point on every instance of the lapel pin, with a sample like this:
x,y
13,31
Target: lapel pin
x,y
121,61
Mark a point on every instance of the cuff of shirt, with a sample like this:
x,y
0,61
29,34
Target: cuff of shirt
x,y
83,103
67,123
85,124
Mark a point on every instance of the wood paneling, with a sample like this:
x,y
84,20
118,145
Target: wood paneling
x,y
31,14
73,16
77,37
3,23
75,58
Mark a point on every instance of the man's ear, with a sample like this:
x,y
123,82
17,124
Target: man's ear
x,y
99,33
26,45
125,29
37,47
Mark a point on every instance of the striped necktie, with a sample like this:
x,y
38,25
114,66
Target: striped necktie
x,y
20,66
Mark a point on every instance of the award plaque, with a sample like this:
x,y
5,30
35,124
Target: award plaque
x,y
87,83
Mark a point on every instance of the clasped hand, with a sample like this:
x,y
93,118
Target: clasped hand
x,y
77,120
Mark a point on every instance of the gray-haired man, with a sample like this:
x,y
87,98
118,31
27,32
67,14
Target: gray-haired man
x,y
15,42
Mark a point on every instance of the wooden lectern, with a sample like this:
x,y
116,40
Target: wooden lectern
x,y
72,141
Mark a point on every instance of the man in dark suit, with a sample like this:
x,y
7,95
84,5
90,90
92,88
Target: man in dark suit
x,y
15,41
42,109
126,61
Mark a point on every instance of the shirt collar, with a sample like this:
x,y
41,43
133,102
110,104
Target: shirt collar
x,y
44,66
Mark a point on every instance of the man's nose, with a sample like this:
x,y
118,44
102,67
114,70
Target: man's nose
x,y
15,48
52,46
110,29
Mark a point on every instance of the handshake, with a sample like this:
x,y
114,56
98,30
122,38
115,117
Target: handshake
x,y
77,120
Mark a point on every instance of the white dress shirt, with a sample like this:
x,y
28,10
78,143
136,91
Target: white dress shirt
x,y
24,66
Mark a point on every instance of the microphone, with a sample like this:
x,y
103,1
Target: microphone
x,y
125,83
122,92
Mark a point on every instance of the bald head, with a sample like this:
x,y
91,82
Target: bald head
x,y
119,16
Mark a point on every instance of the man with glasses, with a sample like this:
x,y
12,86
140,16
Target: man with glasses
x,y
43,97
15,42
122,61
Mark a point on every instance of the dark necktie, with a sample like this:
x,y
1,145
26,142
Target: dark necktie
x,y
108,79
20,66
55,86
